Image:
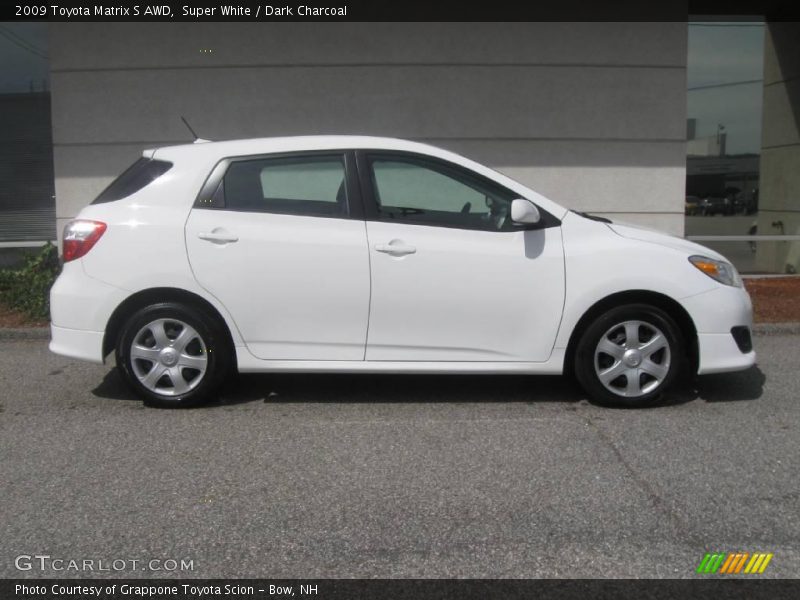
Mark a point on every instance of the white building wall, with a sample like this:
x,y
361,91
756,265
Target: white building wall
x,y
592,115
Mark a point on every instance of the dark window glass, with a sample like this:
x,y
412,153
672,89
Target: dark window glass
x,y
725,100
27,204
415,191
305,185
138,176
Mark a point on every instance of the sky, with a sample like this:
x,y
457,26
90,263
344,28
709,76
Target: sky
x,y
722,53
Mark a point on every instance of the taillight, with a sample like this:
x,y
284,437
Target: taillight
x,y
80,236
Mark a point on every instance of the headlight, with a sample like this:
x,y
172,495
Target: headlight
x,y
716,269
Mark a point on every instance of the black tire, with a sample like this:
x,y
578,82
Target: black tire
x,y
586,366
212,342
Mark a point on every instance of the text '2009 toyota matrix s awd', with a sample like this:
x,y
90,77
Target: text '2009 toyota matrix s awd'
x,y
361,254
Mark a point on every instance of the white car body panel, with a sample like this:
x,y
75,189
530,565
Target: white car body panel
x,y
464,295
298,287
79,317
467,301
600,263
144,246
553,366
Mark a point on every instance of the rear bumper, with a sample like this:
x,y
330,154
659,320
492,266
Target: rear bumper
x,y
80,308
717,315
77,343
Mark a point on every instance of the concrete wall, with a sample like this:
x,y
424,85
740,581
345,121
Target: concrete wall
x,y
779,195
592,115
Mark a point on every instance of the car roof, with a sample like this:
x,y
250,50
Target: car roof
x,y
271,145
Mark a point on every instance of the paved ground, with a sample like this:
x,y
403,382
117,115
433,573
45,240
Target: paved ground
x,y
415,476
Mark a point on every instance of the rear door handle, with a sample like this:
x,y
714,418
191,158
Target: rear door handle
x,y
395,248
218,237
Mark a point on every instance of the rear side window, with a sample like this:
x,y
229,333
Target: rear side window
x,y
138,176
309,185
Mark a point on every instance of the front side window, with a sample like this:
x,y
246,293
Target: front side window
x,y
297,185
428,193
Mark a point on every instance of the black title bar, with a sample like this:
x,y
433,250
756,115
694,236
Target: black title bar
x,y
408,10
348,10
734,588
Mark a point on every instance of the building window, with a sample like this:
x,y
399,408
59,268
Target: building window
x,y
27,203
724,101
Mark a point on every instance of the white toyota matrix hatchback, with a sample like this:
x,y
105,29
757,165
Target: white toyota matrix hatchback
x,y
362,254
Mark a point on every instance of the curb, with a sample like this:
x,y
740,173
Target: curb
x,y
776,328
43,333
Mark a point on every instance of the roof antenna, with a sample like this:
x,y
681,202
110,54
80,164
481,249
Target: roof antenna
x,y
197,139
189,127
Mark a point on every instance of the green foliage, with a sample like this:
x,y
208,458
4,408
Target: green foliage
x,y
27,289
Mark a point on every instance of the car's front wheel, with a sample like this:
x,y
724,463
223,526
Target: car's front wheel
x,y
629,355
173,354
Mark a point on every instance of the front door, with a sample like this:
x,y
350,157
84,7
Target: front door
x,y
453,279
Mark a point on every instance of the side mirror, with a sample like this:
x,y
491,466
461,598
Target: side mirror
x,y
524,212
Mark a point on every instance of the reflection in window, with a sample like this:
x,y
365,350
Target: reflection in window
x,y
724,102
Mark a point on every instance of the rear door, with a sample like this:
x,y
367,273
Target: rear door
x,y
280,241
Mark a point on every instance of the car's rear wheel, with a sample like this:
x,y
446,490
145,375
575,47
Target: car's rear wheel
x,y
629,356
173,354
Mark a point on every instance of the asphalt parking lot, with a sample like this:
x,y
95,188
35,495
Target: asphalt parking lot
x,y
398,476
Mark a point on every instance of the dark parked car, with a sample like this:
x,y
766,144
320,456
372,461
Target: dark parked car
x,y
716,205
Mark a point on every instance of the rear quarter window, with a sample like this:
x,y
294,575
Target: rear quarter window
x,y
136,177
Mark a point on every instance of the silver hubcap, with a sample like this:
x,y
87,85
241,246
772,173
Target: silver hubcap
x,y
632,358
169,357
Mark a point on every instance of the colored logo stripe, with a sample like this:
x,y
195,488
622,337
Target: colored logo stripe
x,y
734,562
711,562
758,563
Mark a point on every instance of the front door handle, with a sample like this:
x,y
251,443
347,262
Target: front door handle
x,y
218,237
395,248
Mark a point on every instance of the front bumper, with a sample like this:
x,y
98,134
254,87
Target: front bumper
x,y
717,315
719,354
